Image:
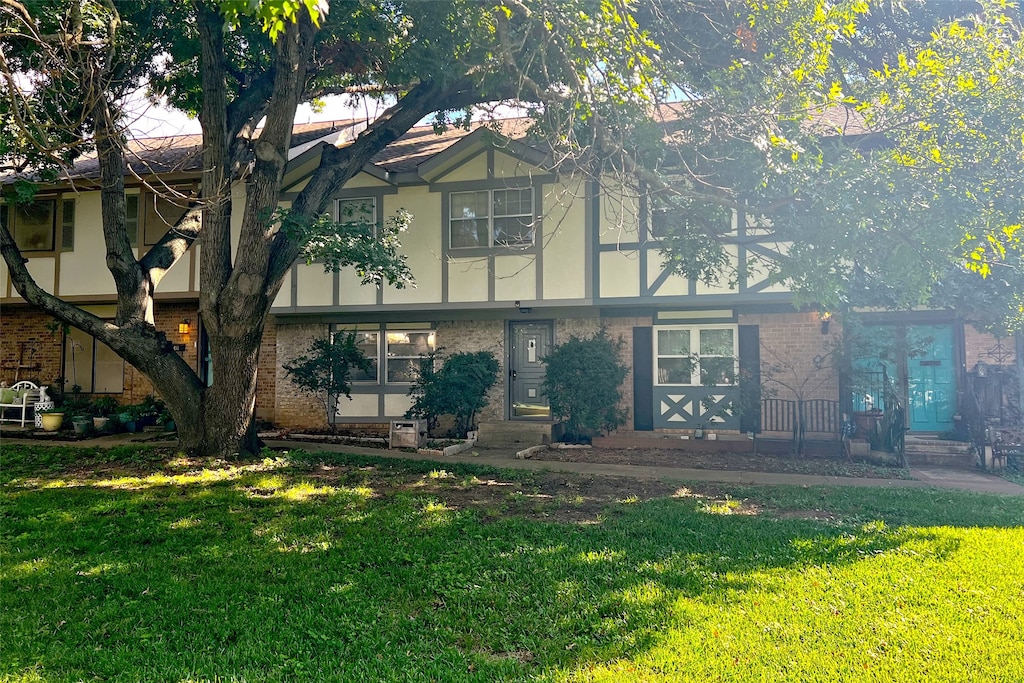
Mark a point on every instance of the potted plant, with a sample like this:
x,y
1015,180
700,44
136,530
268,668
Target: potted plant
x,y
103,408
52,419
167,420
81,423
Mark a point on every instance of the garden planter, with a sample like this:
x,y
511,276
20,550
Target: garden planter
x,y
51,422
101,424
81,427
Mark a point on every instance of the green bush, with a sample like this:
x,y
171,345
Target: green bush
x,y
459,388
582,384
325,369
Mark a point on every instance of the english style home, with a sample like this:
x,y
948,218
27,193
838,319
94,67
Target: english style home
x,y
509,256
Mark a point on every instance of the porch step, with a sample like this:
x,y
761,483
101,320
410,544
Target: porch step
x,y
923,450
503,433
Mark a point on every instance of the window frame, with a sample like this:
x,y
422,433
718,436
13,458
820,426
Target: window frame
x,y
384,357
386,375
336,209
9,216
694,356
69,382
492,243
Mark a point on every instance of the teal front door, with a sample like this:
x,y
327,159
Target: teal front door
x,y
931,378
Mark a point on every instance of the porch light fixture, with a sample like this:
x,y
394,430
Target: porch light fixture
x,y
183,326
826,320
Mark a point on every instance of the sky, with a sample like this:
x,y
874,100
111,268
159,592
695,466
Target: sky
x,y
149,120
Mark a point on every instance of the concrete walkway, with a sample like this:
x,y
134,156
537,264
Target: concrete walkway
x,y
925,477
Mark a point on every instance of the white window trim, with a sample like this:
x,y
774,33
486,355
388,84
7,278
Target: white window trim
x,y
695,353
491,244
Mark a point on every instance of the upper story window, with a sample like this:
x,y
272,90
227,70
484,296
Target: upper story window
x,y
696,355
357,210
492,218
701,217
34,225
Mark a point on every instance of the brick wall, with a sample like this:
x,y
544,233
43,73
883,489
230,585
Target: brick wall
x,y
293,407
458,336
622,329
26,339
266,377
789,344
978,345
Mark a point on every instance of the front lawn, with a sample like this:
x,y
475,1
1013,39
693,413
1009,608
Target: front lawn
x,y
137,566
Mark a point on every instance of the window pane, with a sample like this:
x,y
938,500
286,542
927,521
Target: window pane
x,y
716,342
513,231
78,361
513,202
717,371
469,224
367,343
33,225
410,343
673,342
469,233
405,349
403,369
359,210
675,371
109,371
469,205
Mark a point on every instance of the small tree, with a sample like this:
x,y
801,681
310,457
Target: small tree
x,y
325,369
458,388
582,384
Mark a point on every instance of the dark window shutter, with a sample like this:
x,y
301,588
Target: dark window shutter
x,y
750,378
643,379
67,225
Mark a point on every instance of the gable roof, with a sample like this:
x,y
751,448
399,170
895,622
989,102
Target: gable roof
x,y
420,151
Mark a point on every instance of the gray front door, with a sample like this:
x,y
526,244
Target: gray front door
x,y
530,345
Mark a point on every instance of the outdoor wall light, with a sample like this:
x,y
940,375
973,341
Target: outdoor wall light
x,y
183,326
826,320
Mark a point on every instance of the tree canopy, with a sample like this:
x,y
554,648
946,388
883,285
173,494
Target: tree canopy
x,y
917,186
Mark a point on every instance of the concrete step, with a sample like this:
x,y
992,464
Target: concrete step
x,y
939,453
521,433
937,446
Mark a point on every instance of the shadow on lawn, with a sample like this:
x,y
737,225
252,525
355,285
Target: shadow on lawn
x,y
259,574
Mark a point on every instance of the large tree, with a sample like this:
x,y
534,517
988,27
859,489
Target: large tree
x,y
69,66
590,71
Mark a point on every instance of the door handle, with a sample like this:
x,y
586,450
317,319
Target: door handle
x,y
511,373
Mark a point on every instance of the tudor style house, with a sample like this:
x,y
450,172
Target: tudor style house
x,y
511,257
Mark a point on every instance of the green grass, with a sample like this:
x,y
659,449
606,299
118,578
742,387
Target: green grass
x,y
136,566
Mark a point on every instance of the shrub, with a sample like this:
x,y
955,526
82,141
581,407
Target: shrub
x,y
459,388
326,368
582,383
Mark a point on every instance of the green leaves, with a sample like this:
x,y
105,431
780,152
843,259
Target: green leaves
x,y
581,381
371,248
273,15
